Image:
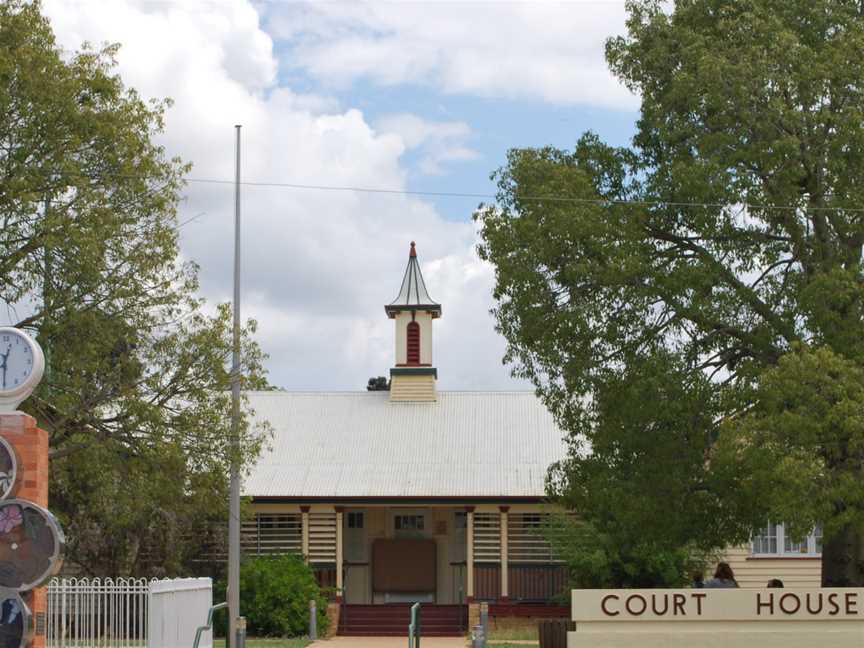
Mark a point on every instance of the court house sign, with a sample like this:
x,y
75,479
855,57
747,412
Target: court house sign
x,y
728,618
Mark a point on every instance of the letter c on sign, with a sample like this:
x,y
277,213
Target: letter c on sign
x,y
606,610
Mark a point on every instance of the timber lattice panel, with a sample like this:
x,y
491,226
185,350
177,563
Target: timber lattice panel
x,y
487,537
322,537
272,534
525,540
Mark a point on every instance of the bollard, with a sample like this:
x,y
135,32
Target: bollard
x,y
478,637
313,620
241,632
414,631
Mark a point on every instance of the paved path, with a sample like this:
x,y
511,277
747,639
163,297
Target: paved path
x,y
389,642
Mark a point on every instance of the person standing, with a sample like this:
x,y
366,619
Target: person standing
x,y
723,577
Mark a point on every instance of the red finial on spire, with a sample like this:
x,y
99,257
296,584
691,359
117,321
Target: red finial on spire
x,y
413,252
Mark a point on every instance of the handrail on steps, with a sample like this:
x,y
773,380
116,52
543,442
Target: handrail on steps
x,y
209,625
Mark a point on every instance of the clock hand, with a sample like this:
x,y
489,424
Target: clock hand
x,y
5,362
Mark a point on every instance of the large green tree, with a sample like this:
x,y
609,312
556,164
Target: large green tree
x,y
135,396
665,297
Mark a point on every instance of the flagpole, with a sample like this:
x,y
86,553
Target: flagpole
x,y
234,488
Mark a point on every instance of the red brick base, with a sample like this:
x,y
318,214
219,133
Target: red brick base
x,y
31,448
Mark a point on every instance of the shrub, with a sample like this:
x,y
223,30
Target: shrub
x,y
274,596
597,560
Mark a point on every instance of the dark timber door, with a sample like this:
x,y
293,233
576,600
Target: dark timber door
x,y
404,566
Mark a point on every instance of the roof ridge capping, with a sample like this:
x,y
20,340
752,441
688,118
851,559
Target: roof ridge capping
x,y
413,294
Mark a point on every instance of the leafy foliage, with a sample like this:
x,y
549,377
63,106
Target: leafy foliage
x,y
598,560
275,594
647,301
800,444
135,396
381,383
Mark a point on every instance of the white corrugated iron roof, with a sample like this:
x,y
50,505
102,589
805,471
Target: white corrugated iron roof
x,y
359,444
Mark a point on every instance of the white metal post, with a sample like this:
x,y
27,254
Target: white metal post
x,y
234,505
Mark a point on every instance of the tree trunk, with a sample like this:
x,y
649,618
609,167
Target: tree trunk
x,y
843,559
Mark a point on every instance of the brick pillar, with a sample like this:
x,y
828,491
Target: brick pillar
x,y
31,449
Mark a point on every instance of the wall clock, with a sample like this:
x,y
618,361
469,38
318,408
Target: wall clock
x,y
21,366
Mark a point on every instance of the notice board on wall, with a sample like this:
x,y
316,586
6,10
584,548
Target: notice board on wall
x,y
403,565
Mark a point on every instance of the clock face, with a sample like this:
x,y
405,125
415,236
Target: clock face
x,y
16,360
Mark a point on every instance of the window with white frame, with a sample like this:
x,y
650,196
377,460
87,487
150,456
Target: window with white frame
x,y
355,537
408,522
772,540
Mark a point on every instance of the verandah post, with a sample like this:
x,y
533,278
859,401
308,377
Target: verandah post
x,y
304,532
469,553
504,550
339,592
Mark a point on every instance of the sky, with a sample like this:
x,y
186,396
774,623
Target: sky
x,y
416,97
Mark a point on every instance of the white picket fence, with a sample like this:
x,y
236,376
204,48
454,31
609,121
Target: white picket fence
x,y
126,613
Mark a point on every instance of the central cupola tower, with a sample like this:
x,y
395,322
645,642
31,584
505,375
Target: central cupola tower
x,y
413,311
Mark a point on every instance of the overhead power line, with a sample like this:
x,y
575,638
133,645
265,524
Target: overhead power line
x,y
490,196
540,198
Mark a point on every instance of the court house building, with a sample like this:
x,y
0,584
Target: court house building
x,y
415,494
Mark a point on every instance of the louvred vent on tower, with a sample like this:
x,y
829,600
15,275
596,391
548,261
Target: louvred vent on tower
x,y
413,335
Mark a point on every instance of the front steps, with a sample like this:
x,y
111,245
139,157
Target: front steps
x,y
391,620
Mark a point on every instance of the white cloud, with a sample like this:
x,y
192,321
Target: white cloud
x,y
318,266
440,142
552,52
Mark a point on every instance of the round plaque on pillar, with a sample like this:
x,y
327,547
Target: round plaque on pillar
x,y
16,622
8,470
31,545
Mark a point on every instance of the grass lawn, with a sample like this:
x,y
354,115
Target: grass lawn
x,y
251,642
494,644
519,634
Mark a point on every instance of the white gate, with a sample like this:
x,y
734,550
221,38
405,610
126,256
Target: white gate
x,y
177,608
126,612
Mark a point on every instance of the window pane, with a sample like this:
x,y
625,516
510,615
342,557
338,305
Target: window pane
x,y
817,538
795,547
765,540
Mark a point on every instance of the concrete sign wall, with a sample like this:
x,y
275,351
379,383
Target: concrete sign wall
x,y
715,618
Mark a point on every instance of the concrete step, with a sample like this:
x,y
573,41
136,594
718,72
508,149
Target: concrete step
x,y
392,620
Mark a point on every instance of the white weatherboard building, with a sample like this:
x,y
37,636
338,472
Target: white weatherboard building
x,y
413,494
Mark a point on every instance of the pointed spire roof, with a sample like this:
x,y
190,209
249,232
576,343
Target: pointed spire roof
x,y
413,294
